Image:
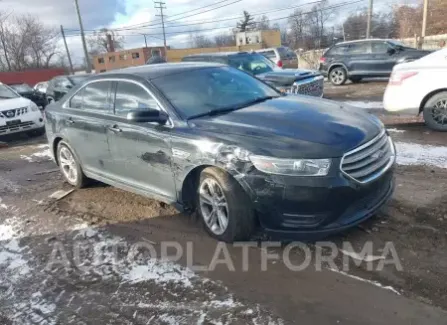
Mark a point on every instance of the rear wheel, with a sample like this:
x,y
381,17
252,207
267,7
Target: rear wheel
x,y
338,76
435,112
70,166
224,207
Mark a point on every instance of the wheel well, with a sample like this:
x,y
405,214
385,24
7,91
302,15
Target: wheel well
x,y
189,186
337,65
54,148
427,97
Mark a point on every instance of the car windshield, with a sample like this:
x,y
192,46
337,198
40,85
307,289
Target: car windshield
x,y
7,93
78,79
208,90
252,63
21,88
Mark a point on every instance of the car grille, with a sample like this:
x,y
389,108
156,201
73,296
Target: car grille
x,y
312,88
370,160
16,127
11,113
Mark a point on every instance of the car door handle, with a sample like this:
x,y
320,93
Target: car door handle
x,y
114,128
70,121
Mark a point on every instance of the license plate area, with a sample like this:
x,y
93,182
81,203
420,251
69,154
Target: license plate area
x,y
13,122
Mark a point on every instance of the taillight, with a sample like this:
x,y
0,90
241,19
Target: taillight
x,y
322,59
279,64
398,77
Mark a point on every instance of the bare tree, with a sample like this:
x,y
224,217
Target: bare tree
x,y
317,20
98,43
263,23
27,43
247,23
200,41
297,23
224,40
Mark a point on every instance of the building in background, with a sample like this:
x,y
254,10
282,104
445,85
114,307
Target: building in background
x,y
126,58
268,38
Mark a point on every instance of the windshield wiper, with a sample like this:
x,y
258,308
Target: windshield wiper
x,y
255,101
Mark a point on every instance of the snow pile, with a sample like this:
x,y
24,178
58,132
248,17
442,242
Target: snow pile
x,y
44,153
417,154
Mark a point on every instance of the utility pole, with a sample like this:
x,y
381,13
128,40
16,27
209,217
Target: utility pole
x,y
145,40
370,14
66,49
161,6
84,45
343,29
424,23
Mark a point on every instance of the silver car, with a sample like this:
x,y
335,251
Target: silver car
x,y
282,56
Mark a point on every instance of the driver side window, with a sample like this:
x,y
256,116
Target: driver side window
x,y
131,97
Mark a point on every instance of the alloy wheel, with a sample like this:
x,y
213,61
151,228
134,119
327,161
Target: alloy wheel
x,y
214,206
439,111
337,76
68,165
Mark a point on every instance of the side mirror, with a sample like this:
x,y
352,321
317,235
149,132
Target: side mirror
x,y
148,115
391,50
68,86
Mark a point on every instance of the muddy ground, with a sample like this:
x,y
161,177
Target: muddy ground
x,y
415,222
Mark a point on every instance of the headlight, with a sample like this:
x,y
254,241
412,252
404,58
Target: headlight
x,y
33,107
292,167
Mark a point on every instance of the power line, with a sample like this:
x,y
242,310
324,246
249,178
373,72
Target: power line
x,y
161,6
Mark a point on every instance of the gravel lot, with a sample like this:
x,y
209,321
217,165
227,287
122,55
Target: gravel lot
x,y
87,258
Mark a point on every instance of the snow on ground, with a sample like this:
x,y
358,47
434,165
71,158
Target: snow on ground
x,y
417,154
365,104
43,153
395,130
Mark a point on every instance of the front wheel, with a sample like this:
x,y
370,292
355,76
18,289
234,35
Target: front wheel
x,y
70,166
338,76
435,112
224,206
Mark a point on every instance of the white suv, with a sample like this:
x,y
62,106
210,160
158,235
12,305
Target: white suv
x,y
282,56
18,114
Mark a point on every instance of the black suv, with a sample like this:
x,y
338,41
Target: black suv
x,y
366,58
59,86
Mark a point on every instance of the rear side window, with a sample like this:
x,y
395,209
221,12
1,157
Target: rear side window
x,y
379,47
76,100
338,50
131,97
360,48
94,96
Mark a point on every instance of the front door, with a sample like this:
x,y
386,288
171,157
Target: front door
x,y
360,60
385,57
141,152
84,117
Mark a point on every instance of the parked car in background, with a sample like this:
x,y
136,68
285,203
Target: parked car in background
x,y
365,58
18,114
156,59
59,86
26,91
212,138
420,87
41,87
296,81
282,56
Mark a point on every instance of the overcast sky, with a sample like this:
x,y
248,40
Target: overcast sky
x,y
121,13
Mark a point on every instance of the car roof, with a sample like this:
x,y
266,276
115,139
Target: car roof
x,y
218,54
156,70
364,40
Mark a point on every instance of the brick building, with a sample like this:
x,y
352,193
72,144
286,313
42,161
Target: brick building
x,y
126,58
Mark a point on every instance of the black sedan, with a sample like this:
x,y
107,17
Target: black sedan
x,y
26,91
211,138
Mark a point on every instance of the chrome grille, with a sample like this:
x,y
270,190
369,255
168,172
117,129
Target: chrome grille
x,y
16,127
13,113
312,88
370,160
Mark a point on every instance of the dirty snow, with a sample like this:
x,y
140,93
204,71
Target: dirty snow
x,y
417,154
375,283
365,104
44,153
395,130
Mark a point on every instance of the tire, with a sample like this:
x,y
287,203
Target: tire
x,y
240,214
338,76
355,80
436,119
80,180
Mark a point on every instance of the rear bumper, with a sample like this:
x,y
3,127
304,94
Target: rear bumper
x,y
401,100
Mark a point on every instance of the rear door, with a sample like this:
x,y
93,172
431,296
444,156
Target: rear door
x,y
384,59
141,152
359,59
85,117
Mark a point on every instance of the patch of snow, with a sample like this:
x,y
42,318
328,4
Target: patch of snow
x,y
395,130
417,154
365,104
80,226
229,303
375,283
6,232
45,153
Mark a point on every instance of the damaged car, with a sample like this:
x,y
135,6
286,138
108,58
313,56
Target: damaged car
x,y
294,81
213,139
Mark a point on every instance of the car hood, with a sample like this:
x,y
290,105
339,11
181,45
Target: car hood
x,y
6,104
286,77
292,127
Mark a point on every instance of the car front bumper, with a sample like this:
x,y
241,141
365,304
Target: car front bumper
x,y
32,121
315,207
